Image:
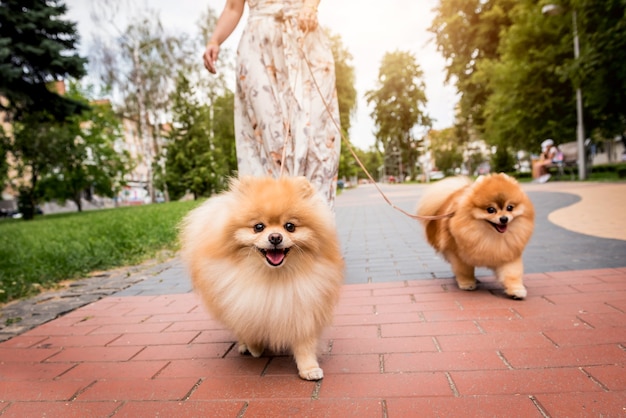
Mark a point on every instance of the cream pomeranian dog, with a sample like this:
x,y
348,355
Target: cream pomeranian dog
x,y
265,258
492,221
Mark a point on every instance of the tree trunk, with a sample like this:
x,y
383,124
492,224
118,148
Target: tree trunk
x,y
78,201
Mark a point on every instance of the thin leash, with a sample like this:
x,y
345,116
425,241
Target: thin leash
x,y
358,160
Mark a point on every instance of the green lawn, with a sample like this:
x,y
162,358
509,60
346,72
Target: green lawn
x,y
40,253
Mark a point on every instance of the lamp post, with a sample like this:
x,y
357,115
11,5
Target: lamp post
x,y
551,10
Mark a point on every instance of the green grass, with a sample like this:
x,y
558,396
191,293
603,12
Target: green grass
x,y
39,254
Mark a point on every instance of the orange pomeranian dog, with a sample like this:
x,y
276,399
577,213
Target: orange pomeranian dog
x,y
265,258
492,221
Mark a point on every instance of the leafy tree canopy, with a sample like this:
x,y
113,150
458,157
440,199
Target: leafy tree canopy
x,y
517,75
445,149
62,159
346,97
467,32
93,162
200,154
399,107
37,48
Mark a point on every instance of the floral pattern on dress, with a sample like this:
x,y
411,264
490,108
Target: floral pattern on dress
x,y
282,126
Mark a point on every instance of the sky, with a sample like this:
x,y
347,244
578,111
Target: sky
x,y
368,29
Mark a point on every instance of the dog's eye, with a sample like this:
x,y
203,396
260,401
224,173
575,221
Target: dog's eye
x,y
289,227
509,208
491,210
259,227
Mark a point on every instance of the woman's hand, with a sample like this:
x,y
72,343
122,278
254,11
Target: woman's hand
x,y
210,56
307,18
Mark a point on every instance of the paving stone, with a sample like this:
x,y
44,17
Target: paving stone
x,y
405,341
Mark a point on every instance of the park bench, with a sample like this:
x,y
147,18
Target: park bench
x,y
567,159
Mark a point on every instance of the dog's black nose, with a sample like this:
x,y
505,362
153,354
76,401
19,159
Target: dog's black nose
x,y
275,239
503,220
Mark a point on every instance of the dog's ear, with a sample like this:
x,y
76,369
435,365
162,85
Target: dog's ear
x,y
507,177
245,185
304,186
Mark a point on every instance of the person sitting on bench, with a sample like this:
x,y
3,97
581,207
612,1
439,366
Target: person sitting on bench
x,y
549,156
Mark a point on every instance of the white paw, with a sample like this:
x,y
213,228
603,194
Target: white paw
x,y
467,286
244,349
312,374
517,292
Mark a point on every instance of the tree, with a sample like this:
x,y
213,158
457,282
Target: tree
x,y
140,68
206,25
602,30
516,71
200,154
91,163
529,100
223,136
468,32
372,159
445,149
37,48
5,144
399,107
346,97
502,161
38,145
63,159
538,64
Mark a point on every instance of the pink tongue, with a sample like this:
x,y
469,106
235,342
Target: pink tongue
x,y
501,228
275,257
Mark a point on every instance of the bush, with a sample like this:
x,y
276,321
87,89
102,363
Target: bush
x,y
519,175
502,161
608,168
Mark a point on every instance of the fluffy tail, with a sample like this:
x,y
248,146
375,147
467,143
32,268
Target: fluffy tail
x,y
436,194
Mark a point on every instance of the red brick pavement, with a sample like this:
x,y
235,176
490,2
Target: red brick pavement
x,y
416,348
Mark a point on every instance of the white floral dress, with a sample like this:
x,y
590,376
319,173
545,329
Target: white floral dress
x,y
282,126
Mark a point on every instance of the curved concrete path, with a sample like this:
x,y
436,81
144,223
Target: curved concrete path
x,y
599,212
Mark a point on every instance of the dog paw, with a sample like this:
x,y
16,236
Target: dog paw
x,y
312,374
245,349
518,293
467,286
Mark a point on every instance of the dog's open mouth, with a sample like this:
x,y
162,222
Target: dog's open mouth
x,y
499,227
274,256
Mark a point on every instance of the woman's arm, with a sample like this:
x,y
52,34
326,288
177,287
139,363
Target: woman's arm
x,y
552,152
225,25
